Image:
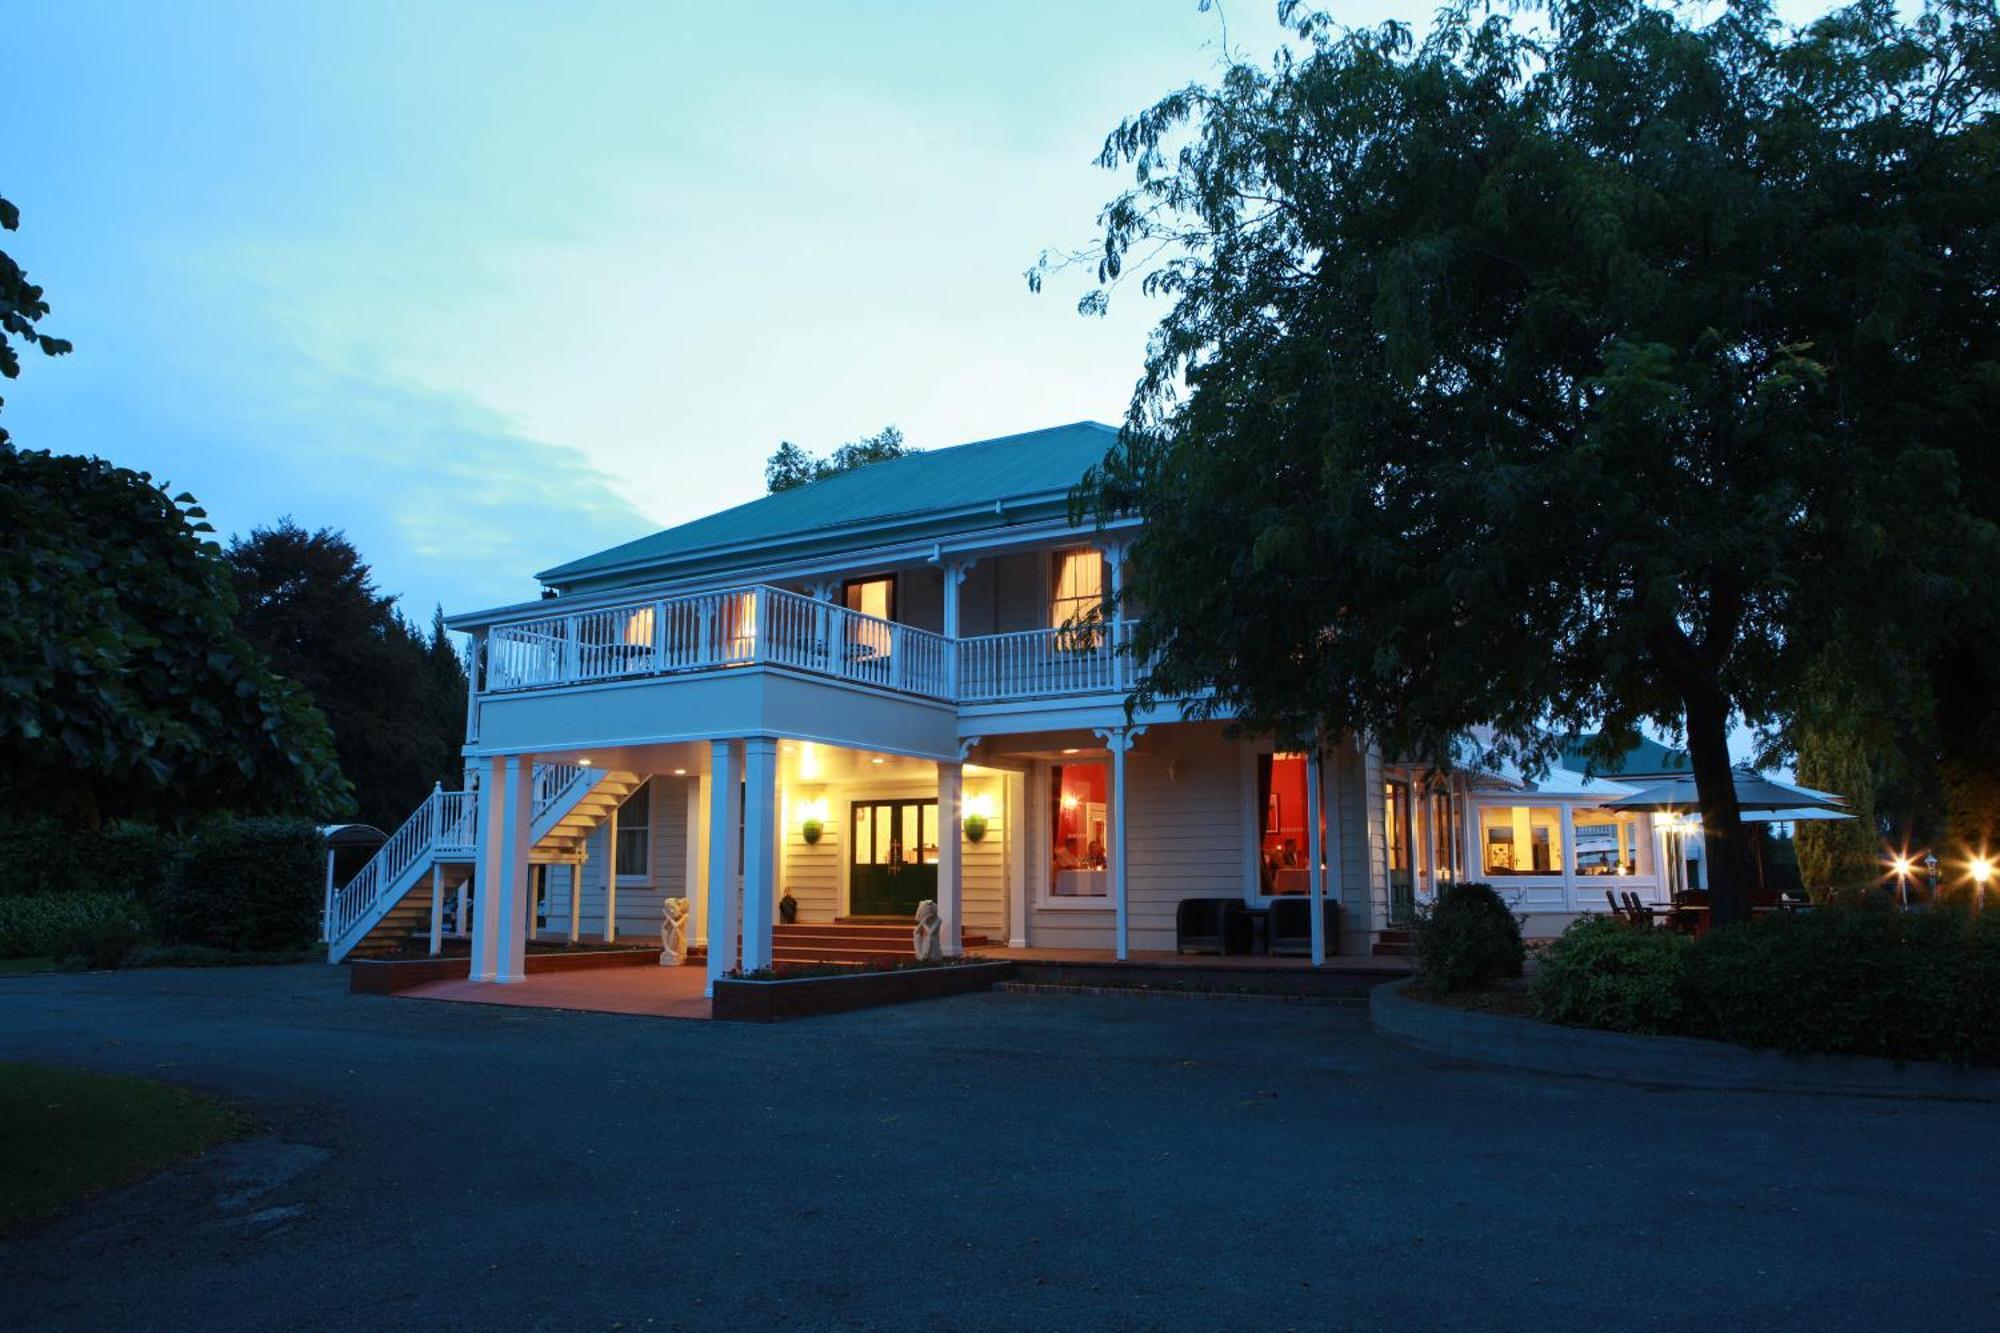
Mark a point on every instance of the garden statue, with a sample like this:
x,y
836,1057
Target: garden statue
x,y
929,947
673,931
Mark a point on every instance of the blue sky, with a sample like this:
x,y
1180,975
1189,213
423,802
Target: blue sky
x,y
492,285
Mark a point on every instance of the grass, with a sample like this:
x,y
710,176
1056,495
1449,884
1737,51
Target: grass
x,y
72,1134
16,966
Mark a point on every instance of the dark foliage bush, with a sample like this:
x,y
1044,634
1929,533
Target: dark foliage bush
x,y
41,857
246,885
1853,981
1603,973
57,925
1468,939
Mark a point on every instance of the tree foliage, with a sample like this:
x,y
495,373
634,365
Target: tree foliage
x,y
126,689
393,693
791,467
1566,371
21,307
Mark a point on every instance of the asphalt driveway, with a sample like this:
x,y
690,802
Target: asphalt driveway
x,y
997,1161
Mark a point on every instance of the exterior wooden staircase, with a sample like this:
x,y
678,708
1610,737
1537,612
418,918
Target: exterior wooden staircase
x,y
856,942
390,898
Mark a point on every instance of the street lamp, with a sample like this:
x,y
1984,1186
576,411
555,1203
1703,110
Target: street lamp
x,y
1901,866
1930,869
1982,870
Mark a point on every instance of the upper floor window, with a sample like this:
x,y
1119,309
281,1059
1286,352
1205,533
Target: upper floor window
x,y
1079,587
873,597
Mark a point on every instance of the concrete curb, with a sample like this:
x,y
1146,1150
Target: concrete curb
x,y
1675,1062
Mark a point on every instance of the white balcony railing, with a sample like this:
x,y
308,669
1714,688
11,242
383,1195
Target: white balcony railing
x,y
712,631
1071,659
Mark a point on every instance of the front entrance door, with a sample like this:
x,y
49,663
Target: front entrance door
x,y
895,857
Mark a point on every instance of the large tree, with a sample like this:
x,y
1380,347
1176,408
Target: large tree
x,y
21,307
1594,365
126,690
791,467
394,693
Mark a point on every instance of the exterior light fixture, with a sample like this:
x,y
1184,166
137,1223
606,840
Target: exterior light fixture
x,y
1072,750
583,763
1902,867
877,760
1981,867
680,772
1930,869
812,820
978,809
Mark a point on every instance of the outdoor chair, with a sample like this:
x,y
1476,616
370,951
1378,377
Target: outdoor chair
x,y
1291,926
1201,925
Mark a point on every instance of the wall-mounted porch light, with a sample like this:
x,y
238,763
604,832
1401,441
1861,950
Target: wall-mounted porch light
x,y
978,809
812,820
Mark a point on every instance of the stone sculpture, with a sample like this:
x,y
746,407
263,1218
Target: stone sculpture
x,y
925,937
673,932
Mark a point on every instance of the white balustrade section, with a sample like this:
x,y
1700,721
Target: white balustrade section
x,y
712,631
1070,659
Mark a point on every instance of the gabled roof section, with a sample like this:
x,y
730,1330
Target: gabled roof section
x,y
982,478
1648,758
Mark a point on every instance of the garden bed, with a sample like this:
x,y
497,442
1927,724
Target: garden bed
x,y
387,976
767,999
1515,1042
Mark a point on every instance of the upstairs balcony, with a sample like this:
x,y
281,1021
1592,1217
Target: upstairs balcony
x,y
710,633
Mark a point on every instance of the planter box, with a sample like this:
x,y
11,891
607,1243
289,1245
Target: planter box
x,y
802,997
386,976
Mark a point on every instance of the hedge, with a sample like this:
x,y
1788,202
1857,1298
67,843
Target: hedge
x,y
45,857
1855,980
246,885
60,925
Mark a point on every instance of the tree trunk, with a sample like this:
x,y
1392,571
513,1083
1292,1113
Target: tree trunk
x,y
1731,870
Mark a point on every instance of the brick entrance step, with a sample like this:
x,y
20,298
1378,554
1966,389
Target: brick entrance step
x,y
849,941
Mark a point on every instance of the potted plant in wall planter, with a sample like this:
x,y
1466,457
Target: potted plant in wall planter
x,y
975,827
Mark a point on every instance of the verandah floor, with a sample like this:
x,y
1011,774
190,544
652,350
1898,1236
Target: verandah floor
x,y
1156,958
660,992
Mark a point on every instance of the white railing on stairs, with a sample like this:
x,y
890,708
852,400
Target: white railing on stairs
x,y
445,826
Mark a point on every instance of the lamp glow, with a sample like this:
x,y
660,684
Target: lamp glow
x,y
1981,868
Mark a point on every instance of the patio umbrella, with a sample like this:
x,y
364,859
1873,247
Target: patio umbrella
x,y
1754,792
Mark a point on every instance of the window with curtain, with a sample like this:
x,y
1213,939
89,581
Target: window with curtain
x,y
635,833
1079,587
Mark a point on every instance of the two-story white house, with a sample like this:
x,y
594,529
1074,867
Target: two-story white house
x,y
841,700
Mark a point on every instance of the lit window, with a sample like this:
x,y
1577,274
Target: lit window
x,y
1079,588
875,598
1282,835
639,626
635,833
1520,840
1077,824
1608,843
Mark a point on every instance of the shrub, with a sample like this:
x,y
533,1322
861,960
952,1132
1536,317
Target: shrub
x,y
247,885
57,925
1853,981
102,944
1603,973
1468,939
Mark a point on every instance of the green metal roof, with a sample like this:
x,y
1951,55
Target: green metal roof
x,y
1648,758
966,479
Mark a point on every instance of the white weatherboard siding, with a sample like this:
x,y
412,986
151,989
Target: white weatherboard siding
x,y
817,874
639,898
1190,809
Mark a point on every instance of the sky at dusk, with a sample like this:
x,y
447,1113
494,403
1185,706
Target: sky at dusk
x,y
492,285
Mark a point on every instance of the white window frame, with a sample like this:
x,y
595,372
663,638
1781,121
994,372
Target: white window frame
x,y
645,881
1044,855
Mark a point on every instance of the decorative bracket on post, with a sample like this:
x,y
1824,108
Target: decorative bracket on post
x,y
1119,740
966,745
